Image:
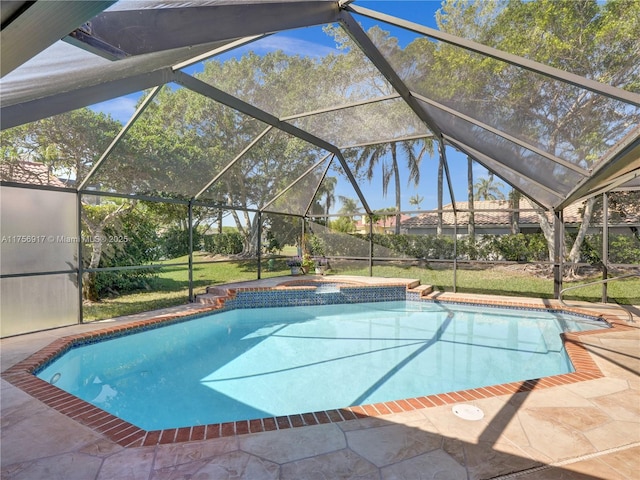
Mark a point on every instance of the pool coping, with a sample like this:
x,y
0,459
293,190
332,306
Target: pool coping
x,y
126,434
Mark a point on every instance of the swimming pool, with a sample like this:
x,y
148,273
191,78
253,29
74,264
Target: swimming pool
x,y
242,364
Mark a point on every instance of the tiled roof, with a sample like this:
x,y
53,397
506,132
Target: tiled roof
x,y
388,222
499,216
31,173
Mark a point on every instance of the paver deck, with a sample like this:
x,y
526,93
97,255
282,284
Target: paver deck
x,y
583,430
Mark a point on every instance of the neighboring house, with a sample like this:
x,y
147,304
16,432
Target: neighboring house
x,y
498,220
31,173
35,173
386,224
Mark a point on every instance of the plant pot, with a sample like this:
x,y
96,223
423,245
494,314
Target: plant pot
x,y
296,270
321,270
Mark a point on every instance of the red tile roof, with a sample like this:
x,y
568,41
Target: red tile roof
x,y
31,173
500,214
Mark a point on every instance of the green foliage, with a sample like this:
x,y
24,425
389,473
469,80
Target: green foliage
x,y
519,247
130,240
229,243
315,245
271,245
343,224
624,249
171,285
175,242
417,246
68,143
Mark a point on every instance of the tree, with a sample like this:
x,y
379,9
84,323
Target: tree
x,y
69,145
326,191
416,200
350,207
193,140
596,40
366,82
514,215
471,229
488,189
387,155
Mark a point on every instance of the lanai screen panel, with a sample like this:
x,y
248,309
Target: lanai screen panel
x,y
273,163
524,161
284,75
179,143
377,122
336,194
296,198
542,195
564,120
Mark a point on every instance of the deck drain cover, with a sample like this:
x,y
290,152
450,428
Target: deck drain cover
x,y
468,412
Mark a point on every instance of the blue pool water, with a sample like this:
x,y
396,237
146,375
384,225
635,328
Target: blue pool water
x,y
253,363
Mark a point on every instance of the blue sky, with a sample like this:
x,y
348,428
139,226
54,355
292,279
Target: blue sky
x,y
313,42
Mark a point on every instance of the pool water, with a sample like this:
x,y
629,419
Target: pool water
x,y
253,363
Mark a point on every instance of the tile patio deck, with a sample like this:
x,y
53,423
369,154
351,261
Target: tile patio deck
x,y
584,430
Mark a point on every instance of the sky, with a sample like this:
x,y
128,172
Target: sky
x,y
313,42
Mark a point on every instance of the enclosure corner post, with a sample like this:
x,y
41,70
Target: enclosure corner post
x,y
605,245
371,245
455,252
558,252
259,214
80,266
190,214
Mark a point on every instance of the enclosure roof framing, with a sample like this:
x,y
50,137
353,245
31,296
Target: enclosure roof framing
x,y
487,163
58,56
567,77
367,46
502,134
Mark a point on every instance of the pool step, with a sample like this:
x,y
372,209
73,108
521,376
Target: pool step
x,y
208,298
212,296
422,289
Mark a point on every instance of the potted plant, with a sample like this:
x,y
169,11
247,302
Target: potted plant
x,y
295,264
322,265
307,263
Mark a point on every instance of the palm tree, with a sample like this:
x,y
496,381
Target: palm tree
x,y
471,227
416,200
387,155
514,200
349,207
326,190
348,210
488,189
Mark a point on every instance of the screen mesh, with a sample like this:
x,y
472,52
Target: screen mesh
x,y
562,119
179,143
269,167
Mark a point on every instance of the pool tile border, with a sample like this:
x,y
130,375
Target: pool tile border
x,y
128,435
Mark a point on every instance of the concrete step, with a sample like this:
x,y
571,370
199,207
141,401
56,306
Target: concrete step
x,y
217,291
422,289
208,298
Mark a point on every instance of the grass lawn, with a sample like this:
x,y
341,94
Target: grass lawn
x,y
171,287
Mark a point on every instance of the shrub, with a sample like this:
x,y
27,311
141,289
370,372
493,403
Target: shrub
x,y
175,242
519,247
229,243
137,245
624,249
